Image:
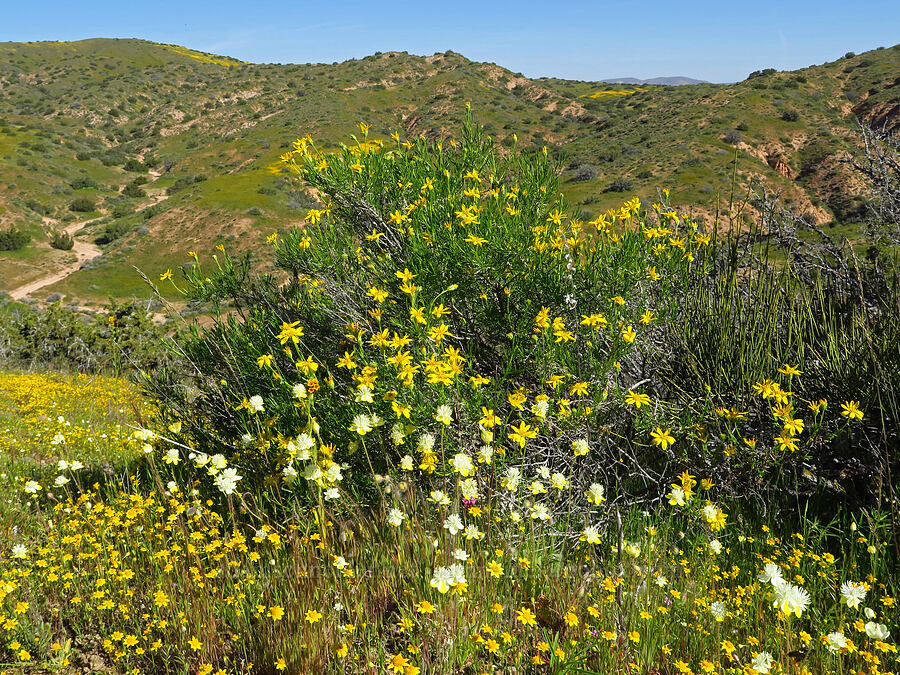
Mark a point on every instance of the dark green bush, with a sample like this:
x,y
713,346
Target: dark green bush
x,y
83,205
13,239
62,240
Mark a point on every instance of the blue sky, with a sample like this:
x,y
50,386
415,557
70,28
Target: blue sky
x,y
719,41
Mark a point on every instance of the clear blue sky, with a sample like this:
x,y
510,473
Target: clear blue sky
x,y
719,41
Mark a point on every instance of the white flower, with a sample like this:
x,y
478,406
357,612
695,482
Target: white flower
x,y
718,609
361,424
469,488
772,574
261,534
439,497
460,555
396,517
544,472
762,663
660,581
62,465
835,642
339,561
540,409
459,573
710,512
446,578
869,612
591,535
290,474
305,442
217,462
877,631
632,549
201,459
472,532
852,594
580,447
677,496
444,414
246,439
363,394
332,493
144,435
398,434
511,478
463,464
595,493
19,551
559,481
59,438
537,487
299,390
75,465
312,472
453,524
376,420
255,404
333,472
406,463
515,516
172,486
227,481
61,480
171,456
426,442
790,599
715,546
539,512
485,454
32,487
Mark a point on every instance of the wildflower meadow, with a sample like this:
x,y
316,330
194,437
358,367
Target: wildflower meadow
x,y
453,427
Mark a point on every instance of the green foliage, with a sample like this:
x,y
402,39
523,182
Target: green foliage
x,y
420,231
82,205
121,339
13,239
62,240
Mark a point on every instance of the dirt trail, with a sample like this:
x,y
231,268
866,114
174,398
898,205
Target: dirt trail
x,y
83,251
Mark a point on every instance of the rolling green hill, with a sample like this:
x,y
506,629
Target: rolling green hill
x,y
164,149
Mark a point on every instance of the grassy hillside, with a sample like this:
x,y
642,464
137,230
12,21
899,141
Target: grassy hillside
x,y
174,148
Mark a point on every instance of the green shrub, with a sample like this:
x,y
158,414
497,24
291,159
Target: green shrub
x,y
620,184
83,205
13,239
62,240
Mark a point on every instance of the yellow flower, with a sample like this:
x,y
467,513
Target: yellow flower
x,y
850,410
280,664
425,607
312,616
165,275
637,399
398,663
662,438
195,644
628,334
526,617
276,612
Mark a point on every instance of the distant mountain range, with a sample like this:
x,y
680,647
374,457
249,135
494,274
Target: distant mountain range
x,y
675,81
146,151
